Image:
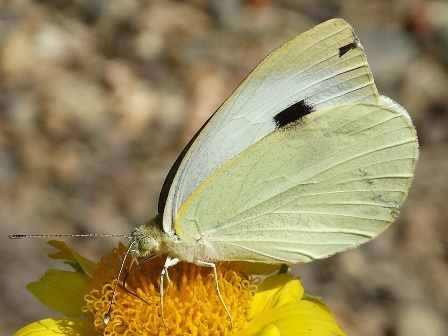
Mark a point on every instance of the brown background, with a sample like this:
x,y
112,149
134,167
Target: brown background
x,y
98,97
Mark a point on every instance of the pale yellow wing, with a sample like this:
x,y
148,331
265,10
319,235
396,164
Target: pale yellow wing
x,y
323,67
328,182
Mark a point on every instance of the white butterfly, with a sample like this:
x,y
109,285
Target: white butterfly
x,y
305,159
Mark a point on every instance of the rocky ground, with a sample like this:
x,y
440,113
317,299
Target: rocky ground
x,y
98,97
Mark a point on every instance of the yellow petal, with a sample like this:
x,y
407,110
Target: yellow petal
x,y
275,291
66,253
270,330
294,318
61,290
58,326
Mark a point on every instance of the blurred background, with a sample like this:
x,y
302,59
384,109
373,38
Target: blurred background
x,y
98,97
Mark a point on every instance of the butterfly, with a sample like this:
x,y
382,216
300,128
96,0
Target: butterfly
x,y
305,159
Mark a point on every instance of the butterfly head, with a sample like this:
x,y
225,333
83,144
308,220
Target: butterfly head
x,y
146,239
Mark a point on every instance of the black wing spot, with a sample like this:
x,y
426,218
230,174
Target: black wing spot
x,y
292,113
345,49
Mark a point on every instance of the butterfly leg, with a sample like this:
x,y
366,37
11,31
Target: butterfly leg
x,y
212,265
169,262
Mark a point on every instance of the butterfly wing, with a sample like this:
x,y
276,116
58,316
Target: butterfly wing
x,y
328,182
323,67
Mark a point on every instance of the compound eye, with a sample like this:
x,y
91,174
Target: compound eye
x,y
145,245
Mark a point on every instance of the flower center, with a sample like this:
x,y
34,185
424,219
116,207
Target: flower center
x,y
191,303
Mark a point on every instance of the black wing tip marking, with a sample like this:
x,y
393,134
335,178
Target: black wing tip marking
x,y
350,46
293,113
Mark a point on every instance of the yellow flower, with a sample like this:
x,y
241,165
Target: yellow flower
x,y
277,306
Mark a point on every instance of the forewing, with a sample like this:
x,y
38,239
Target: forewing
x,y
326,183
326,66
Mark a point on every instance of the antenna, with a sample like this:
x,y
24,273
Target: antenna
x,y
21,236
